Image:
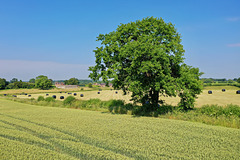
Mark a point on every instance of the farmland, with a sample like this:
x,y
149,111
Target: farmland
x,y
218,97
36,132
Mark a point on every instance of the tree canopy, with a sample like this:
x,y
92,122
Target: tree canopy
x,y
3,83
72,81
14,80
146,58
43,82
238,80
32,80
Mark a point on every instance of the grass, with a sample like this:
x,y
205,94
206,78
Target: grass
x,y
221,87
36,132
227,116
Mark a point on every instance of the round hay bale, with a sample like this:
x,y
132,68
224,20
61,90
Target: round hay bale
x,y
61,97
14,96
69,93
81,95
209,92
111,89
26,94
98,92
116,92
223,90
60,92
75,94
54,96
29,95
5,94
47,94
65,92
238,92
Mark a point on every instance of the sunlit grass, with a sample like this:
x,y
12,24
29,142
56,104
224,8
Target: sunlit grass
x,y
36,132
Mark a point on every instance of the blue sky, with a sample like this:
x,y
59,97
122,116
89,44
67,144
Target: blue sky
x,y
57,37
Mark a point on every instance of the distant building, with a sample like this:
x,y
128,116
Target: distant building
x,y
59,84
63,86
103,84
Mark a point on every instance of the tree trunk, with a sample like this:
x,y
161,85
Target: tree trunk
x,y
154,99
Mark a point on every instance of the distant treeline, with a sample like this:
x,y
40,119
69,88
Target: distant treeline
x,y
75,81
41,82
223,80
15,83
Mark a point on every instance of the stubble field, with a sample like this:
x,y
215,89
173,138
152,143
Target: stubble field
x,y
218,97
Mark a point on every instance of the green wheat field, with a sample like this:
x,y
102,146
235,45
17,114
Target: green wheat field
x,y
38,132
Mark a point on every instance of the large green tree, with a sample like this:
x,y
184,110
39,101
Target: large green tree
x,y
43,82
146,58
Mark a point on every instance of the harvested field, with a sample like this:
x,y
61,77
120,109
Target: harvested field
x,y
217,96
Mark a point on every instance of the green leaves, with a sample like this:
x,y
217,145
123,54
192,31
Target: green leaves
x,y
43,82
144,57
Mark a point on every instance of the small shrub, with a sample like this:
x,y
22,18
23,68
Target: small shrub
x,y
40,98
69,100
81,89
211,110
231,110
164,109
50,99
90,85
117,106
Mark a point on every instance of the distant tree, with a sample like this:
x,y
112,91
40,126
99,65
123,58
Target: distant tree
x,y
146,58
30,85
51,81
10,86
84,82
18,84
72,81
3,83
43,82
90,85
230,81
32,80
238,80
208,80
13,80
66,82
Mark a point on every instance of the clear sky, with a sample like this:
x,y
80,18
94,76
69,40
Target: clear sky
x,y
57,37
